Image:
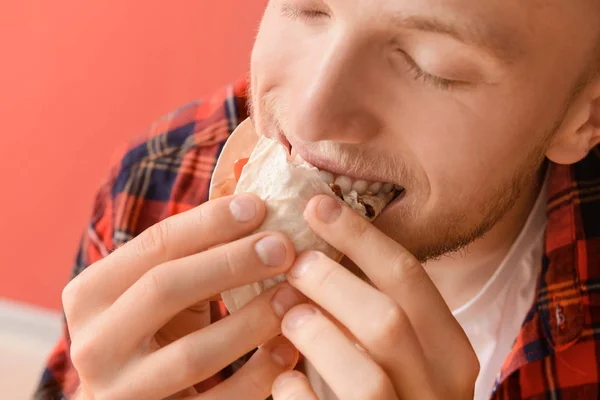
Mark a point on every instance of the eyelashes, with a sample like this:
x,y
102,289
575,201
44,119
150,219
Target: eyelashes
x,y
417,73
311,14
294,13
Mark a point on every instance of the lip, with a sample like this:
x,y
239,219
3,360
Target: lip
x,y
324,164
328,165
397,200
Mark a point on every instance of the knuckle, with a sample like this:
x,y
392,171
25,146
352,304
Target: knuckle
x,y
471,371
297,393
154,239
360,229
473,365
106,393
463,390
77,294
327,277
189,364
234,263
317,333
70,295
464,374
405,268
375,386
254,324
256,385
110,393
84,354
157,286
92,390
391,324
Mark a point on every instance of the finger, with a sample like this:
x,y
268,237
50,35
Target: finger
x,y
168,289
293,385
215,222
201,354
349,372
391,268
255,379
373,318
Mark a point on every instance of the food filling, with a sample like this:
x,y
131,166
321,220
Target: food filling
x,y
372,197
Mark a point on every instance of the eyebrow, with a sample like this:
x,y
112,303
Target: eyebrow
x,y
484,37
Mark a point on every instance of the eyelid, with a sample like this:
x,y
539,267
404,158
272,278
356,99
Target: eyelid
x,y
314,9
416,66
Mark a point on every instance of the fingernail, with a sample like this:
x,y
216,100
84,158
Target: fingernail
x,y
302,265
243,208
284,355
271,251
298,317
284,300
329,210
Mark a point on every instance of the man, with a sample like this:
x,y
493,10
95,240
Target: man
x,y
483,279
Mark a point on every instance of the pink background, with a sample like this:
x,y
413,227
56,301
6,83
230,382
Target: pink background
x,y
78,79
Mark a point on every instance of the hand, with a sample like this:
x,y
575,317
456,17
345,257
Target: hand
x,y
396,339
139,319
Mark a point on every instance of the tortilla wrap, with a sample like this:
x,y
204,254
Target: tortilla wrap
x,y
286,186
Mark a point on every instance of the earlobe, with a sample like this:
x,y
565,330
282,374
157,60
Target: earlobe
x,y
580,131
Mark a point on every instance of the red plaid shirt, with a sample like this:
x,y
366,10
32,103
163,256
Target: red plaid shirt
x,y
167,171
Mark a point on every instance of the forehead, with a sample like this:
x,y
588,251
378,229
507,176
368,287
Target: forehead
x,y
511,26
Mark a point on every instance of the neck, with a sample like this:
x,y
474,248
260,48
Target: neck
x,y
460,276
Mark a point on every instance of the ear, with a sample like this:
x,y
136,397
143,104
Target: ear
x,y
580,130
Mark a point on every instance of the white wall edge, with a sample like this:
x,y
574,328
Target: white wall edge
x,y
27,336
34,322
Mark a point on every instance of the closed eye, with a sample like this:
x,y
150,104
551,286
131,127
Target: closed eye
x,y
294,13
419,74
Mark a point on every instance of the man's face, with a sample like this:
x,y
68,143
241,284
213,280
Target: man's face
x,y
451,99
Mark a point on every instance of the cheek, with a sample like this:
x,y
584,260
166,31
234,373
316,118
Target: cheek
x,y
269,67
463,148
274,61
265,59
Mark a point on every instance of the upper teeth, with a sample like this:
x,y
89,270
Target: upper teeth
x,y
327,176
361,186
347,184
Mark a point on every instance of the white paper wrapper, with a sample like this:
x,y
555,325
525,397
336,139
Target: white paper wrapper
x,y
286,187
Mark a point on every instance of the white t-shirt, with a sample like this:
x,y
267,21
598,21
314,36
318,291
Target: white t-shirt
x,y
492,319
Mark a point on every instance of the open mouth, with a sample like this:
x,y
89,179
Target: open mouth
x,y
350,189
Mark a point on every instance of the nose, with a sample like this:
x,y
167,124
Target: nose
x,y
332,101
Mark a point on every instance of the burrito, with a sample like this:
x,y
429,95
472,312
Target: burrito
x,y
286,185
